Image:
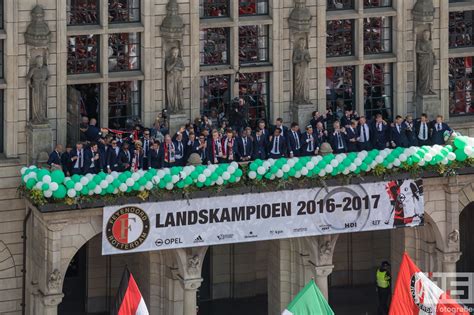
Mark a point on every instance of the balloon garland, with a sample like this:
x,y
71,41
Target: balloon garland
x,y
55,185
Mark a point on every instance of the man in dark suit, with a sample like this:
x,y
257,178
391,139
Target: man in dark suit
x,y
439,127
125,158
245,146
279,124
422,130
381,133
352,137
202,148
192,146
365,135
113,157
309,143
147,143
277,146
320,133
398,136
316,118
66,160
156,155
262,127
260,145
77,159
91,159
338,139
349,116
92,132
294,140
410,131
54,160
179,146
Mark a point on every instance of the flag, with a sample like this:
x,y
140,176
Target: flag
x,y
309,301
416,294
129,300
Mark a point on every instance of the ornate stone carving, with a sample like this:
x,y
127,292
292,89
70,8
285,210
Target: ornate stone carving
x,y
301,60
300,17
174,81
37,33
426,60
423,11
55,280
453,237
193,265
37,79
172,27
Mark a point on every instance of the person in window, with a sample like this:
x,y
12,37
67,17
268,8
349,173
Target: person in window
x,y
365,135
92,132
113,157
409,124
214,147
277,146
260,145
423,131
91,159
54,160
339,139
245,145
349,115
294,140
156,155
84,124
381,133
439,127
352,136
398,136
77,159
309,143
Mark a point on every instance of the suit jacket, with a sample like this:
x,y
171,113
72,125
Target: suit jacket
x,y
437,136
400,138
334,142
248,148
92,133
212,151
380,137
156,158
123,160
191,147
88,160
351,134
148,147
66,162
54,158
260,148
73,162
410,133
180,151
293,143
305,143
427,130
320,135
282,145
113,159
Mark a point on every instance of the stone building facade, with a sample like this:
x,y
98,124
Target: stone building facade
x,y
363,53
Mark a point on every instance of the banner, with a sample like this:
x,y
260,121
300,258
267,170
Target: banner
x,y
262,216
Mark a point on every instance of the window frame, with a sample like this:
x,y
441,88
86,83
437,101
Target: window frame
x,y
257,2
75,60
138,55
201,87
111,22
267,46
227,45
390,108
97,12
139,103
353,34
226,3
390,40
463,91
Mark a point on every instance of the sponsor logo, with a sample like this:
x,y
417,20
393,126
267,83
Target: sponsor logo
x,y
168,241
300,230
276,232
325,227
251,235
221,237
127,228
198,239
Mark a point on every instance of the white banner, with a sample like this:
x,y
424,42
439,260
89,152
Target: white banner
x,y
263,216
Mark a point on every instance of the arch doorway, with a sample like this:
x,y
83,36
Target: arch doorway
x,y
466,243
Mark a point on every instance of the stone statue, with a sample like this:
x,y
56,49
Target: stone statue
x,y
301,60
37,78
453,237
426,60
174,81
193,264
54,281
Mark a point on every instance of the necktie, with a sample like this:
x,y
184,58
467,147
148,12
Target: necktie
x,y
277,145
245,146
146,149
297,139
310,146
439,127
81,163
365,133
424,131
339,141
128,156
258,138
380,127
398,128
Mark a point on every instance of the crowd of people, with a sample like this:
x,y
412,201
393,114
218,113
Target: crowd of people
x,y
202,142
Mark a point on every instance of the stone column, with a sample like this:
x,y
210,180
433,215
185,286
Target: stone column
x,y
50,304
190,291
321,274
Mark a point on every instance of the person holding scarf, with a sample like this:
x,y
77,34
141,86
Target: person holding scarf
x,y
169,152
215,154
138,157
229,146
179,146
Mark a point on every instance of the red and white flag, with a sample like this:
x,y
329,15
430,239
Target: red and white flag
x,y
129,300
416,294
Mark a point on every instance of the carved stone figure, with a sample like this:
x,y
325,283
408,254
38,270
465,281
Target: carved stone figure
x,y
193,264
174,81
301,60
453,237
426,60
37,78
37,33
54,281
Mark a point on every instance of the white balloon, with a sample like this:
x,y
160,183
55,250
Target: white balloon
x,y
357,161
155,180
421,163
48,193
53,186
379,159
71,193
467,149
252,175
78,186
261,170
91,192
322,173
234,165
352,167
130,182
104,184
109,178
142,188
38,185
345,171
114,174
149,185
169,186
160,174
89,176
23,170
135,176
285,168
115,191
97,189
32,167
175,179
451,156
201,178
231,169
328,168
428,157
220,181
225,176
444,161
297,174
396,162
334,163
206,172
167,171
291,163
304,171
33,175
279,174
310,165
123,187
402,157
84,181
266,164
47,179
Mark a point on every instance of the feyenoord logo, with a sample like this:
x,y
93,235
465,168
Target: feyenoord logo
x,y
419,293
128,228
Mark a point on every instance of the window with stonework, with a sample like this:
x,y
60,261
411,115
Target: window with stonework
x,y
124,104
377,35
340,4
83,54
124,11
378,90
461,81
340,38
461,33
254,90
377,4
124,52
2,119
214,46
213,8
253,7
81,12
215,95
340,88
253,44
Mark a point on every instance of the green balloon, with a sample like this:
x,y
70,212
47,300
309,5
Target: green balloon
x,y
60,193
208,182
102,175
238,173
44,187
136,186
70,184
253,167
232,179
97,179
90,185
175,170
30,183
273,169
167,178
142,181
42,173
110,189
292,172
180,184
85,191
268,175
188,180
57,176
162,184
122,178
199,184
460,155
214,176
76,178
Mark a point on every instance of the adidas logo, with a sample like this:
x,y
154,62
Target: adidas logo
x,y
198,239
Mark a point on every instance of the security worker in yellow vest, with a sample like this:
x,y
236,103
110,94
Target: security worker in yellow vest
x,y
383,277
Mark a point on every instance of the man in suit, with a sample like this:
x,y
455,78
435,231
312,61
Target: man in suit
x,y
320,133
279,124
192,145
339,139
125,158
202,148
398,136
66,163
214,148
260,145
262,127
179,146
381,133
422,130
156,155
439,127
147,143
92,132
316,118
169,151
410,131
352,137
365,135
294,140
277,146
120,140
229,146
77,159
245,146
54,160
309,143
349,116
113,157
91,159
